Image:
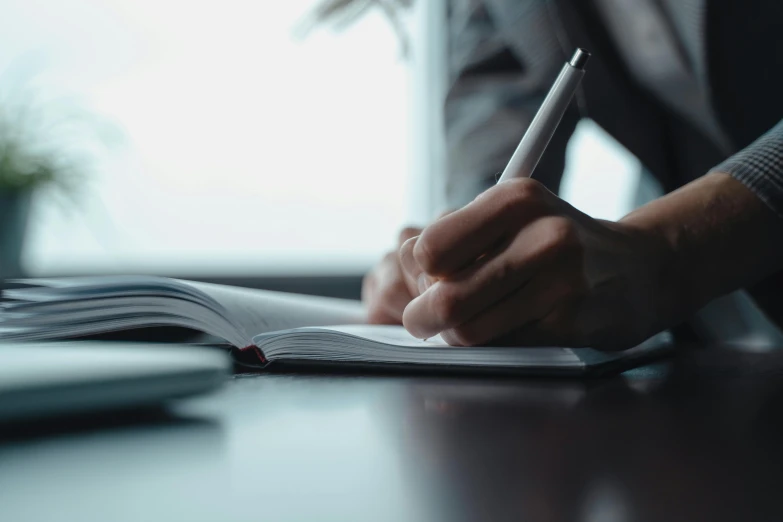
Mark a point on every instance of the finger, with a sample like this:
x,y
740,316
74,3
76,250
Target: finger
x,y
524,316
369,284
451,302
416,279
377,312
411,269
390,295
407,233
456,240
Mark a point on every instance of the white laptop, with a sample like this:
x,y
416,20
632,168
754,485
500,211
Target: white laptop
x,y
39,380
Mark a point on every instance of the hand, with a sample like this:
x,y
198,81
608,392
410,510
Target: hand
x,y
385,289
520,266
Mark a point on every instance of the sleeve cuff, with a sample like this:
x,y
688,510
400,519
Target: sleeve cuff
x,y
760,168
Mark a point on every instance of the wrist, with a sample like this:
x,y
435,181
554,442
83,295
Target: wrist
x,y
675,298
718,237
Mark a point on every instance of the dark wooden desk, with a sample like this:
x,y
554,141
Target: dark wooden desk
x,y
699,439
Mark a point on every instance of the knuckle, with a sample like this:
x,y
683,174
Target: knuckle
x,y
560,235
507,269
525,189
516,194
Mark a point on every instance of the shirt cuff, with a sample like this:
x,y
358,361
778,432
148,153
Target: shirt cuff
x,y
759,167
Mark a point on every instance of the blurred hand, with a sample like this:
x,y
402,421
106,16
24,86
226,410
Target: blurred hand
x,y
385,289
520,266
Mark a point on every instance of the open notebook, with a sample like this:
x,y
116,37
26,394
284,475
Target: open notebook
x,y
275,328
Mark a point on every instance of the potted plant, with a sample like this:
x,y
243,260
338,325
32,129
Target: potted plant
x,y
45,144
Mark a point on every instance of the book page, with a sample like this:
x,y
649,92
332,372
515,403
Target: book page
x,y
393,344
393,335
399,336
261,311
233,313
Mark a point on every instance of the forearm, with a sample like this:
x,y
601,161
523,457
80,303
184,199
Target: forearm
x,y
720,237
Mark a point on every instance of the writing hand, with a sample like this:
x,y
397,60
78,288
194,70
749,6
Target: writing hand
x,y
520,266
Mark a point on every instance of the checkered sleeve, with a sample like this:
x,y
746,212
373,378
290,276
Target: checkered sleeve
x,y
760,168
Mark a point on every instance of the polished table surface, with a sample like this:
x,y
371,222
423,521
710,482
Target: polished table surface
x,y
698,438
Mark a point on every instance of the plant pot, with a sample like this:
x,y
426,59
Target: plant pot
x,y
14,211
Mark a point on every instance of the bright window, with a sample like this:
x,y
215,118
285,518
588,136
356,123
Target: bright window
x,y
247,149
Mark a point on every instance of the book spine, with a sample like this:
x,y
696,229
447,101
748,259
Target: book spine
x,y
257,355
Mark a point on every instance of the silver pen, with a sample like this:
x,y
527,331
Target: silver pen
x,y
543,126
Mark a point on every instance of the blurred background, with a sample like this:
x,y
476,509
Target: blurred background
x,y
212,140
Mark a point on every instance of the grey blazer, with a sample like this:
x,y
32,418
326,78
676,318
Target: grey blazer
x,y
504,54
